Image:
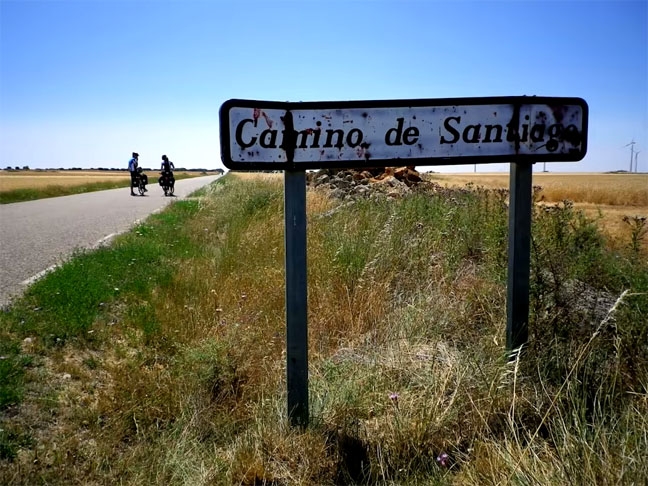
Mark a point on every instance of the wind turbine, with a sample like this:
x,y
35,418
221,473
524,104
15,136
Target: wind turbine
x,y
631,144
637,160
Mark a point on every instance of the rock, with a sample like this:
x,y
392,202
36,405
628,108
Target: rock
x,y
27,345
361,190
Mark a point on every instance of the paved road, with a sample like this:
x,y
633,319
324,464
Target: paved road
x,y
35,235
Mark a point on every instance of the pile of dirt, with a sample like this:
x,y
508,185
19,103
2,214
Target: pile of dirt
x,y
353,183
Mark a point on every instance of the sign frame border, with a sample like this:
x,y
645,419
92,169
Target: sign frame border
x,y
225,132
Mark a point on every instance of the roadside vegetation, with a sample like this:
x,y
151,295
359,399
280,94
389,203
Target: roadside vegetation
x,y
160,359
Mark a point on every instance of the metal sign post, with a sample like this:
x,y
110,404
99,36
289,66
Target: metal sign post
x,y
294,137
296,296
519,257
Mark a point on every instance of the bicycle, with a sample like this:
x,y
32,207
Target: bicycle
x,y
141,181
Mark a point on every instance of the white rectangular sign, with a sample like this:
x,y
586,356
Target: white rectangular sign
x,y
273,135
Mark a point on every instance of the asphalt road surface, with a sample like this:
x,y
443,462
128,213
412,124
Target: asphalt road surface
x,y
37,235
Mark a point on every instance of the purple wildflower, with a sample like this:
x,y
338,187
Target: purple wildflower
x,y
442,459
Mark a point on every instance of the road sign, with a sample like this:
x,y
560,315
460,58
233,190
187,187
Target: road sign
x,y
293,137
274,135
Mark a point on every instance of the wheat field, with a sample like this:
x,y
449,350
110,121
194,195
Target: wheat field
x,y
603,196
588,188
12,180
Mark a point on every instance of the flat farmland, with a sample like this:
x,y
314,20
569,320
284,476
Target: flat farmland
x,y
11,180
25,185
604,196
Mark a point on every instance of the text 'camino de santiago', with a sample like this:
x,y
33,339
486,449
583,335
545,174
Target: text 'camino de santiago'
x,y
359,135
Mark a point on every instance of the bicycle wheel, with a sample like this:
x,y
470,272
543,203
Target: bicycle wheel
x,y
141,188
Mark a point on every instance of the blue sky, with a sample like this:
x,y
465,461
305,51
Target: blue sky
x,y
84,83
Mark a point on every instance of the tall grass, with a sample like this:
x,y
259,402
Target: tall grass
x,y
179,376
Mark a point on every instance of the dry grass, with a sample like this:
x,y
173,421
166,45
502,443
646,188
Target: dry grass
x,y
184,382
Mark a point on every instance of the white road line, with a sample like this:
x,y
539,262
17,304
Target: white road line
x,y
38,276
102,242
105,240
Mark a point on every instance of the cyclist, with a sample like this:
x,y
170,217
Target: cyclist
x,y
167,166
166,171
132,168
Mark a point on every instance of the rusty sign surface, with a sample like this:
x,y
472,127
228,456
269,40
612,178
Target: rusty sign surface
x,y
282,135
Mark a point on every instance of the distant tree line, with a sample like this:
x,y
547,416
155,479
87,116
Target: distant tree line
x,y
25,167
